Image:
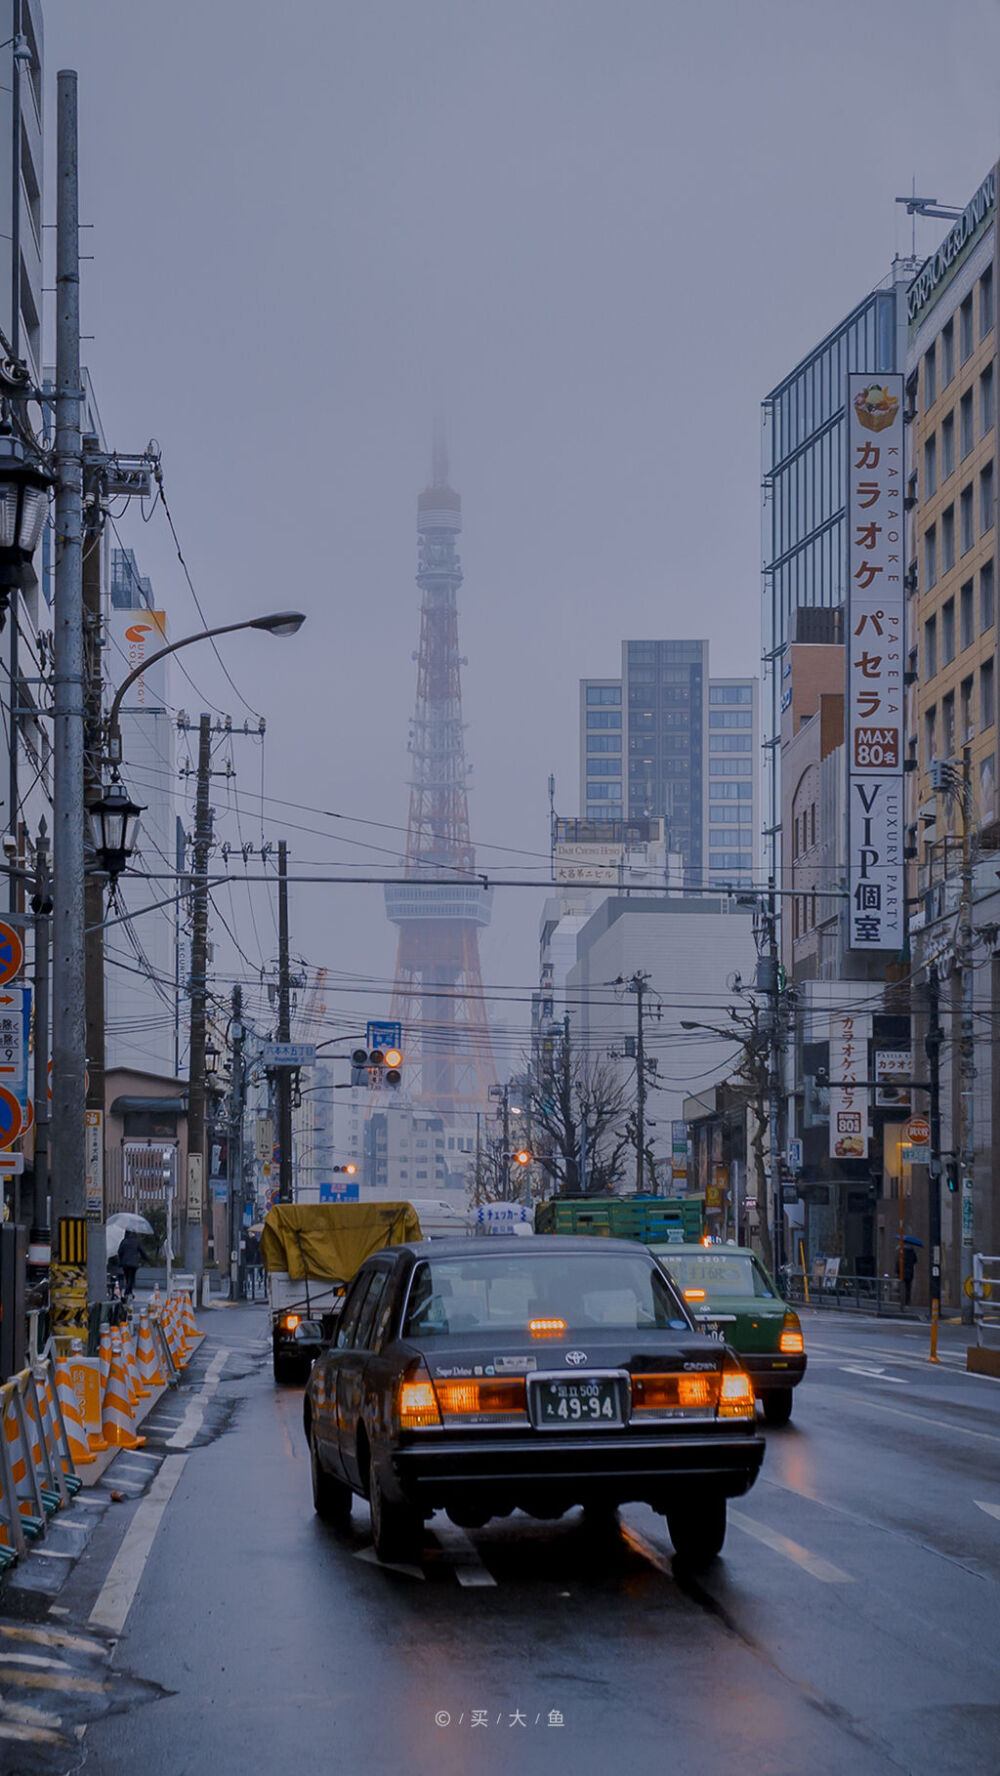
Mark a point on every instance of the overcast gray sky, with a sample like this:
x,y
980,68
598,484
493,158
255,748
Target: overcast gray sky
x,y
595,232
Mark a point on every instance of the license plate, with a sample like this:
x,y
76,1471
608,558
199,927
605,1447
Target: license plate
x,y
573,1403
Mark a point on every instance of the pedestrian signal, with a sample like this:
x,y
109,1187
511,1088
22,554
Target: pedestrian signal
x,y
951,1172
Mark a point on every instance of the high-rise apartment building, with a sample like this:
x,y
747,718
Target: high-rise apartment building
x,y
667,741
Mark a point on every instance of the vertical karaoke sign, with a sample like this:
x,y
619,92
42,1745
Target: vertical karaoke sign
x,y
875,659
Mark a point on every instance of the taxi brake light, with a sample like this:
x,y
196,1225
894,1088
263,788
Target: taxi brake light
x,y
665,1393
546,1328
791,1342
497,1399
417,1404
736,1398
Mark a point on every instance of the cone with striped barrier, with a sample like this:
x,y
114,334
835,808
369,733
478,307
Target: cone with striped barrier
x,y
149,1362
104,1356
55,1459
85,1376
116,1421
137,1388
189,1322
175,1336
180,1331
76,1433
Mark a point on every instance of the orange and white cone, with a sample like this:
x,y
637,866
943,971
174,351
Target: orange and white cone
x,y
135,1383
85,1377
149,1362
155,1304
104,1356
76,1435
175,1334
116,1422
190,1325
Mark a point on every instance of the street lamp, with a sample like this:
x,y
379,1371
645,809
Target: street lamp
x,y
277,623
114,829
24,505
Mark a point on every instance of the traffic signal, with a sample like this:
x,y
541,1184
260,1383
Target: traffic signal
x,y
376,1066
349,1168
951,1173
522,1157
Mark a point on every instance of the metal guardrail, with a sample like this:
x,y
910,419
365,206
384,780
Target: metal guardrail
x,y
847,1294
986,1299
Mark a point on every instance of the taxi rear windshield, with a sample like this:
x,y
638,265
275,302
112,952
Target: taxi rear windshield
x,y
719,1273
476,1294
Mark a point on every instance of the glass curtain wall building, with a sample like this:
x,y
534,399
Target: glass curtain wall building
x,y
601,755
803,535
733,779
665,697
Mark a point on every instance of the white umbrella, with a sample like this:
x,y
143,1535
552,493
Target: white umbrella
x,y
117,1226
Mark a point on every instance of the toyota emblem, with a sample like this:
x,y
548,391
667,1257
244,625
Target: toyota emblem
x,y
576,1357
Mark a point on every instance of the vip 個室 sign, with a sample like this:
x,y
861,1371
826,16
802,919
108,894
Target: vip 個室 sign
x,y
875,488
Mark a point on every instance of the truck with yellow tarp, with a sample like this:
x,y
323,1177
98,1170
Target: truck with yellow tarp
x,y
310,1252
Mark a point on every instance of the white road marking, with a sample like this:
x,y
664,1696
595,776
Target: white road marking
x,y
369,1555
29,1735
876,1374
781,1544
194,1417
120,1586
991,1510
469,1569
922,1418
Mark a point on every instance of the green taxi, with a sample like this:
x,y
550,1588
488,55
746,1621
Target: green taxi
x,y
731,1295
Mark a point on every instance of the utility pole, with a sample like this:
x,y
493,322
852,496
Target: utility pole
x,y
284,1081
769,979
93,887
637,985
506,1142
69,1285
967,1047
932,1049
41,906
195,1247
235,1145
15,340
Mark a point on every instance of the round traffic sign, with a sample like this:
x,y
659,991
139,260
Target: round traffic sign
x,y
11,953
11,1119
985,1288
917,1132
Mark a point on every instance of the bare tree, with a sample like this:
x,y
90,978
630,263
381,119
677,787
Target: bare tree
x,y
579,1112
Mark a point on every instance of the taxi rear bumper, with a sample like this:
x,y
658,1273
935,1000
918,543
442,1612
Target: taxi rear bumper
x,y
773,1369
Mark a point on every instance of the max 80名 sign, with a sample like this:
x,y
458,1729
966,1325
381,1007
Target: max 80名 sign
x,y
875,551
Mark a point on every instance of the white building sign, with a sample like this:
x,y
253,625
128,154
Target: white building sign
x,y
875,663
850,1034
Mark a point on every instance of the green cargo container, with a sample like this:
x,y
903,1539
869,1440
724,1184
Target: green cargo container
x,y
679,1219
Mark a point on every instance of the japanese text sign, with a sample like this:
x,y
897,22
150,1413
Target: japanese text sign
x,y
850,1034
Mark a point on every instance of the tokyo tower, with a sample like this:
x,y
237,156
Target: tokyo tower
x,y
438,994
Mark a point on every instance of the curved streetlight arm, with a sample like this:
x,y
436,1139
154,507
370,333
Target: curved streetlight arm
x,y
114,731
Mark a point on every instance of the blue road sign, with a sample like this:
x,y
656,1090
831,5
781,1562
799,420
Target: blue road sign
x,y
383,1036
348,1193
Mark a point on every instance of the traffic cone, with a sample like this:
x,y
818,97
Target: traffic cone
x,y
188,1319
104,1356
155,1304
116,1422
85,1376
149,1363
135,1383
175,1335
76,1435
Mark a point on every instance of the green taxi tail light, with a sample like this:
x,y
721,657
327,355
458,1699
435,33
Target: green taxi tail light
x,y
791,1343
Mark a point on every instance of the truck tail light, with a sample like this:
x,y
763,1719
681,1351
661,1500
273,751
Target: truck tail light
x,y
290,1322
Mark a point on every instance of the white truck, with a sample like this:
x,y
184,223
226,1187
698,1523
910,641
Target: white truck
x,y
310,1252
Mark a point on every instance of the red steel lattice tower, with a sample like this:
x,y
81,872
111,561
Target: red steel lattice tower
x,y
438,994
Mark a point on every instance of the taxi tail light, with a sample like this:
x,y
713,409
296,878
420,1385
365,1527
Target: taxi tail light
x,y
416,1402
736,1397
500,1400
791,1343
667,1393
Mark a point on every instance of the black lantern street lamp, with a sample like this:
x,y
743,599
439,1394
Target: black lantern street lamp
x,y
211,1058
24,505
113,820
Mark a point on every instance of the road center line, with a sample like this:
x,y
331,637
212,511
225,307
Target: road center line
x,y
991,1510
921,1418
119,1588
194,1417
781,1544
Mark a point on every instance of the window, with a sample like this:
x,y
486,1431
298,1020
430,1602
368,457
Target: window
x,y
370,1309
730,718
948,632
597,792
966,429
930,737
718,767
604,694
731,742
734,792
930,378
947,446
965,329
967,519
730,694
986,597
967,616
987,705
948,724
947,353
730,860
987,405
604,718
947,539
930,467
930,558
967,729
352,1311
986,499
604,743
985,302
930,647
600,767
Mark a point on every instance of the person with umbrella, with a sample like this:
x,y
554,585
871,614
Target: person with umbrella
x,y
910,1244
132,1253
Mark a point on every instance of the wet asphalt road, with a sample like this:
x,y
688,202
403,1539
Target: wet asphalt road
x,y
851,1625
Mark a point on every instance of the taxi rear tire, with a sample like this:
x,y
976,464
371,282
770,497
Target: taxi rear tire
x,y
697,1530
397,1530
331,1498
777,1404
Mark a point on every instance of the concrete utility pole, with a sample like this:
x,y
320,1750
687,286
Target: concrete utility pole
x,y
41,906
932,1049
967,1045
69,1284
235,1146
769,976
637,985
93,888
284,1081
195,1244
